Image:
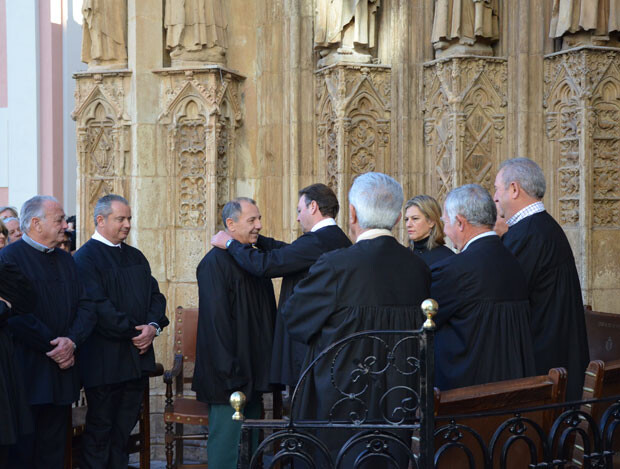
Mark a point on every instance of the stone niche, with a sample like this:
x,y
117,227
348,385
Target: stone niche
x,y
103,141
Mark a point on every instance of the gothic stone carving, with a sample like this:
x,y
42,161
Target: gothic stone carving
x,y
104,34
585,22
582,103
200,116
464,120
103,140
353,123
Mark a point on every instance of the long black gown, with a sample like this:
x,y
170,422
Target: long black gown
x,y
431,256
15,418
235,330
126,295
483,332
292,262
374,284
558,321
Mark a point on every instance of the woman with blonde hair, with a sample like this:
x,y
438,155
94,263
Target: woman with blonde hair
x,y
425,229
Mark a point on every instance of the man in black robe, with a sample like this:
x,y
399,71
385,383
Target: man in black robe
x,y
116,359
47,336
316,210
376,284
483,332
540,245
235,335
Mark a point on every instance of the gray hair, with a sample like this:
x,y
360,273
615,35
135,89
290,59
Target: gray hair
x,y
8,219
525,172
232,209
33,208
104,205
13,210
377,199
474,203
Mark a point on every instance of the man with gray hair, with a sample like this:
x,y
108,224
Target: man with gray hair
x,y
115,361
540,245
483,332
47,336
375,284
235,334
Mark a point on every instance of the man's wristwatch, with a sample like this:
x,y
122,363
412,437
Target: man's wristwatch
x,y
228,242
157,328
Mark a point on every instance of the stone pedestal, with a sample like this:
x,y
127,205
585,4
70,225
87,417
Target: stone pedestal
x,y
353,121
582,111
464,121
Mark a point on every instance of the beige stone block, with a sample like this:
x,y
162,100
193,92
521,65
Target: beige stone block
x,y
149,162
190,246
151,243
185,294
606,300
605,257
149,207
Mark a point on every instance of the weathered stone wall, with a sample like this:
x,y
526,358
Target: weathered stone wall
x,y
435,109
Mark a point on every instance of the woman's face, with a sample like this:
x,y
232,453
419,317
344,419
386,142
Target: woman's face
x,y
418,226
2,240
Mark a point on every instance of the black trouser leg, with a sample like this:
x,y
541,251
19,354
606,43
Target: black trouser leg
x,y
45,449
127,413
101,401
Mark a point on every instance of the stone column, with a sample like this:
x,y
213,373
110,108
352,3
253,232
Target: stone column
x,y
353,121
464,121
582,104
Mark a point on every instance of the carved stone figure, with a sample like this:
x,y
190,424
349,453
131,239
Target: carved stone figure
x,y
465,27
196,31
104,33
345,30
585,22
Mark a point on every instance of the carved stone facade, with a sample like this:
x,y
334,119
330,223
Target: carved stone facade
x,y
103,141
582,104
353,107
465,101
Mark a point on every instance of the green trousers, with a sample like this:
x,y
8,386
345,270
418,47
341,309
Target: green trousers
x,y
225,433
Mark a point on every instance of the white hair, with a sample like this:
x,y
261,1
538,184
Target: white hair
x,y
474,203
377,199
527,173
32,208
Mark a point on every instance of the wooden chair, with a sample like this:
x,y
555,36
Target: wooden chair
x,y
139,442
602,380
512,394
181,410
603,335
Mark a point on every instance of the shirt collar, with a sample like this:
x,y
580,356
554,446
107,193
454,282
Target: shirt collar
x,y
323,223
525,212
481,235
373,233
99,237
38,246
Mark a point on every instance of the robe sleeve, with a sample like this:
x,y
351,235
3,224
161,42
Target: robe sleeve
x,y
267,244
32,332
217,323
111,323
157,307
444,290
277,262
528,252
314,300
85,317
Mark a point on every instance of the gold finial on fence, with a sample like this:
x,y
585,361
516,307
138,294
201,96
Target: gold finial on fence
x,y
237,401
429,308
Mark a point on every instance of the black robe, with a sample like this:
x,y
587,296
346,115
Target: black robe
x,y
62,310
125,294
291,261
235,330
374,284
483,332
15,418
431,256
557,322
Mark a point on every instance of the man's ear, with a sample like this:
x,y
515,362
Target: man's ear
x,y
100,219
352,215
460,222
230,224
314,207
515,190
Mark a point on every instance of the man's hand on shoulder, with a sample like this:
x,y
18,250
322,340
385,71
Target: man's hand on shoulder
x,y
220,239
62,353
145,339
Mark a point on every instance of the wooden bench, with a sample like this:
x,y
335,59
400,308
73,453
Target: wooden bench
x,y
603,335
511,394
